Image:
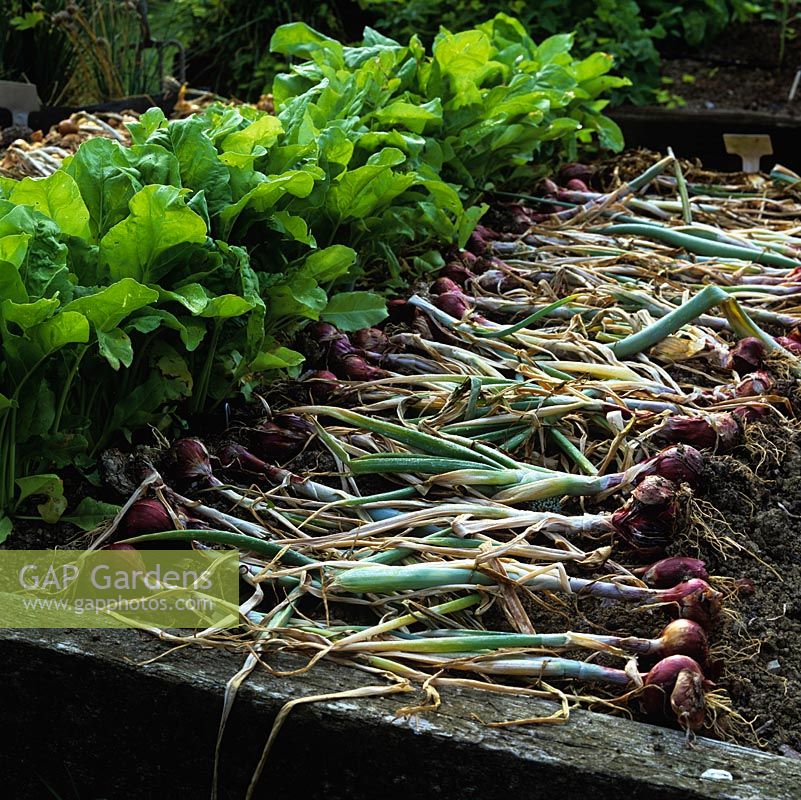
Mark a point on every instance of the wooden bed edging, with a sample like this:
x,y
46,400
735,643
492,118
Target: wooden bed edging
x,y
84,718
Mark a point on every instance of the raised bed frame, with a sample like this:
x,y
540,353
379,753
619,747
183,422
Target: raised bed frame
x,y
699,134
86,718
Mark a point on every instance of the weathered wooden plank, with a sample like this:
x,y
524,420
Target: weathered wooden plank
x,y
80,707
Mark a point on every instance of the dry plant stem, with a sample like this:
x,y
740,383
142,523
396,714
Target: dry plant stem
x,y
400,685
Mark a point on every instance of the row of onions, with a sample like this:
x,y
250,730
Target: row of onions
x,y
530,429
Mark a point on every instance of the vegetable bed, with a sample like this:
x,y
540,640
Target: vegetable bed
x,y
549,457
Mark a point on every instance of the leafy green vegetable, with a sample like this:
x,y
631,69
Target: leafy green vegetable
x,y
143,282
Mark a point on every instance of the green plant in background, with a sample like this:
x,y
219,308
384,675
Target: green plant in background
x,y
629,30
228,40
785,13
93,50
24,29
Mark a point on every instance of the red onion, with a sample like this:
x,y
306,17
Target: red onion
x,y
481,239
672,570
789,344
752,412
323,331
467,258
400,312
678,681
353,367
295,422
145,516
442,285
648,520
190,462
754,384
719,429
679,463
321,383
348,362
339,346
577,185
696,600
549,187
499,280
582,172
370,339
453,303
458,273
687,638
234,457
279,442
131,557
747,355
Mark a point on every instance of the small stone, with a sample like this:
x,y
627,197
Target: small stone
x,y
789,752
716,775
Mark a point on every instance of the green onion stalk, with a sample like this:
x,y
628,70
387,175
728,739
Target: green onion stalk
x,y
681,636
675,687
695,598
701,245
456,461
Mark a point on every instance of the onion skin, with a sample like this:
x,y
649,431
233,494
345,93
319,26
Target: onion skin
x,y
650,516
457,272
696,600
145,516
190,462
672,570
719,430
680,463
370,339
747,355
442,285
676,682
687,638
453,303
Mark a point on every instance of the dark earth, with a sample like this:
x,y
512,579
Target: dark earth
x,y
738,71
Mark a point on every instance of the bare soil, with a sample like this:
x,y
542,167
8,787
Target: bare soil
x,y
739,71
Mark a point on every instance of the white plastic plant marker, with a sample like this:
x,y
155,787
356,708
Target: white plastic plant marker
x,y
20,99
750,147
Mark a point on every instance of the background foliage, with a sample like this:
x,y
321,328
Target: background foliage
x,y
91,45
